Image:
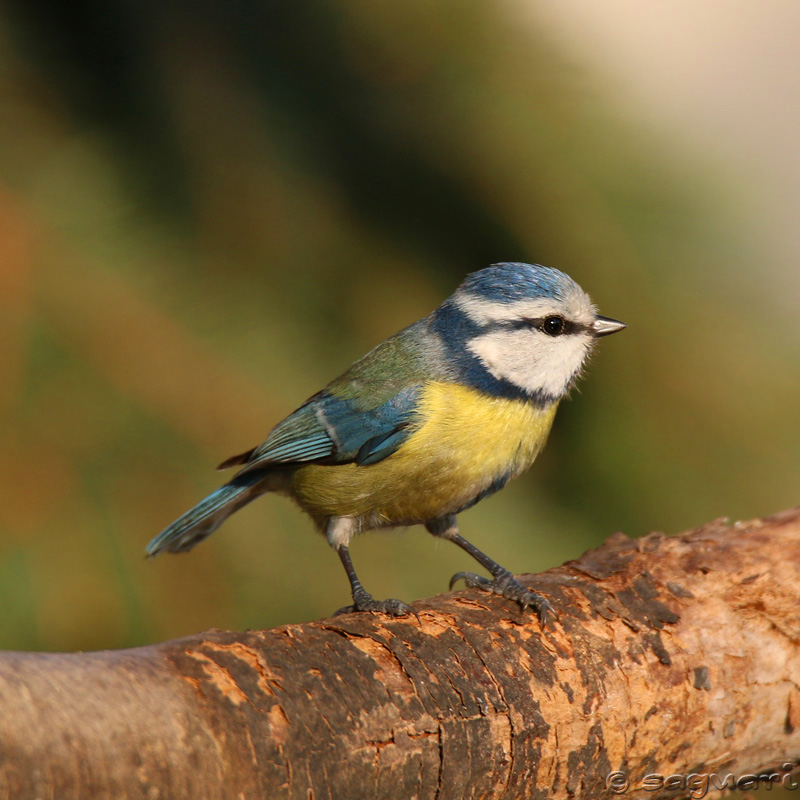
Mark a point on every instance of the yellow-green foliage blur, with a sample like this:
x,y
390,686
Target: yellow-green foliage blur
x,y
209,209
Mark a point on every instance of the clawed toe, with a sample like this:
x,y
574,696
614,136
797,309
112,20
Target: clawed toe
x,y
390,607
472,580
506,586
363,600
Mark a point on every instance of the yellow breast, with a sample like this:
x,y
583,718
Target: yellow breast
x,y
463,442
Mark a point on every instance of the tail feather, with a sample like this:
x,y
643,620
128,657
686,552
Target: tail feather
x,y
202,520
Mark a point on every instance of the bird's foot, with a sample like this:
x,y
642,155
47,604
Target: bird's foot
x,y
506,585
366,602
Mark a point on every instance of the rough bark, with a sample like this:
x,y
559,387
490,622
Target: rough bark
x,y
670,656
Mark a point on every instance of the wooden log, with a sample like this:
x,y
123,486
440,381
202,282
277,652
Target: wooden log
x,y
670,656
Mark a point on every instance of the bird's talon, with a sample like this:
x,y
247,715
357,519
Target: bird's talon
x,y
507,586
472,580
391,607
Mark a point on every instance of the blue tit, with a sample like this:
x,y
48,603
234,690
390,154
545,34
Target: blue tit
x,y
429,422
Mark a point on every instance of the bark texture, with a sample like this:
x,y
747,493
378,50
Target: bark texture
x,y
670,655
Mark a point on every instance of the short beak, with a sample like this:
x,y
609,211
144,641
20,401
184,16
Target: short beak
x,y
603,326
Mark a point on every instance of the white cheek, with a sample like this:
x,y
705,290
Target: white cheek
x,y
531,360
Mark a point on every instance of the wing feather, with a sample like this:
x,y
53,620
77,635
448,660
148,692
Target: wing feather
x,y
335,431
364,415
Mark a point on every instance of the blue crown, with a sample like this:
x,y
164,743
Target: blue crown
x,y
513,280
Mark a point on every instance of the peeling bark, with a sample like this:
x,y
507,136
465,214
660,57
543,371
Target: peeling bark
x,y
670,656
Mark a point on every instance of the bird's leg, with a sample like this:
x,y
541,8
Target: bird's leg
x,y
362,599
339,530
502,583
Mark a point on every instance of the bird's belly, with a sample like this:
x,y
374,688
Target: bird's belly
x,y
466,444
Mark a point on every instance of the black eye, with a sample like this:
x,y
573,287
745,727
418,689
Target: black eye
x,y
553,326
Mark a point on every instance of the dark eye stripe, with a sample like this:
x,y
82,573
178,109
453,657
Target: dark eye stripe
x,y
569,326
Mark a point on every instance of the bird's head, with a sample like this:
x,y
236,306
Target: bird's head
x,y
528,326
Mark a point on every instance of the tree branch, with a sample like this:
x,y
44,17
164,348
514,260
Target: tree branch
x,y
670,655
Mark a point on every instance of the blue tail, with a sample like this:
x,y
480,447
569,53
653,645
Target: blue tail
x,y
207,515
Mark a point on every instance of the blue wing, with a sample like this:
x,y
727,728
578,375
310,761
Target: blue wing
x,y
332,430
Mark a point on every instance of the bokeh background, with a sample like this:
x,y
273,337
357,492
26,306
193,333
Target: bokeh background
x,y
208,209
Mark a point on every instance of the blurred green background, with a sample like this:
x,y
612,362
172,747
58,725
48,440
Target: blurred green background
x,y
209,209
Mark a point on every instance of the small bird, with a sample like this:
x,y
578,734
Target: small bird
x,y
429,422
